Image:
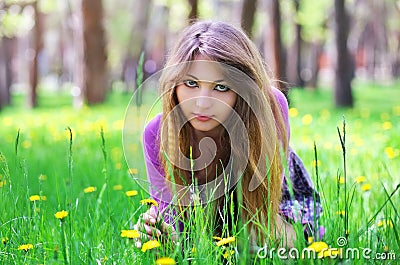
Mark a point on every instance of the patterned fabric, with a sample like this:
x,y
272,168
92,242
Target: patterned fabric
x,y
300,201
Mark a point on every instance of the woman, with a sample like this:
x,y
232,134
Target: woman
x,y
224,130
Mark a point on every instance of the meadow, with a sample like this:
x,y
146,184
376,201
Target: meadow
x,y
68,197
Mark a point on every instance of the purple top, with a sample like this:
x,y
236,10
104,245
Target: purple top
x,y
300,207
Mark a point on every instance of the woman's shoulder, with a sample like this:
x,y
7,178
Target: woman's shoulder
x,y
153,125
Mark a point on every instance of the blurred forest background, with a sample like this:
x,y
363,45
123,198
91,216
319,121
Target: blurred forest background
x,y
87,48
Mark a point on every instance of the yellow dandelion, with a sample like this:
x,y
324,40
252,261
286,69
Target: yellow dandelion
x,y
293,112
228,254
25,247
385,223
26,144
34,198
387,125
130,233
315,163
341,180
366,187
333,253
193,250
310,239
318,246
165,261
131,193
149,202
61,215
386,248
360,179
341,213
133,171
4,240
390,152
118,166
150,245
89,189
396,110
225,241
307,119
117,187
42,177
3,183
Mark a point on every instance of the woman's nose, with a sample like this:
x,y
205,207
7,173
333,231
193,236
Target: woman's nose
x,y
204,99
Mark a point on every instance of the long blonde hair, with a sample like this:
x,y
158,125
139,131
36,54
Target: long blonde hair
x,y
265,128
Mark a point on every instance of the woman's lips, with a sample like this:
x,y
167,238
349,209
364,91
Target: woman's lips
x,y
200,117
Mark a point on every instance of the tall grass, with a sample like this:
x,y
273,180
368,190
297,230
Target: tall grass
x,y
56,153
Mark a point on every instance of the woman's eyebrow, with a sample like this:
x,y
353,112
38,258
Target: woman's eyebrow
x,y
216,81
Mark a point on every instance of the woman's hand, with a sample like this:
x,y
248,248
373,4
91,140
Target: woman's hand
x,y
151,226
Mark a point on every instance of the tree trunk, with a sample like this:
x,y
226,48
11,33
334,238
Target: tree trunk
x,y
137,42
344,65
6,76
34,64
316,50
94,52
276,49
194,10
248,13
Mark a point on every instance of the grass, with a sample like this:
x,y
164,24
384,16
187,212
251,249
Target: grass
x,y
41,156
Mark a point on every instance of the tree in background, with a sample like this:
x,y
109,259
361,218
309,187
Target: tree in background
x,y
37,46
248,13
94,52
344,68
194,10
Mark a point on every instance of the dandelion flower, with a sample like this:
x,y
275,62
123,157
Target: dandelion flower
x,y
117,187
360,179
341,180
387,125
307,119
34,198
310,239
227,253
89,189
4,240
61,215
131,193
149,202
3,183
385,223
366,187
318,246
333,253
341,213
165,261
150,245
130,233
133,171
386,248
293,112
42,177
225,241
25,247
390,152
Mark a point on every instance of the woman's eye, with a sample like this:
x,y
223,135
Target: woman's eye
x,y
221,88
190,83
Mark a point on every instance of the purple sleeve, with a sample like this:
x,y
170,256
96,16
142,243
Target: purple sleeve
x,y
284,106
155,172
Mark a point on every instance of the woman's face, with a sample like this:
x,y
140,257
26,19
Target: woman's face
x,y
204,96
